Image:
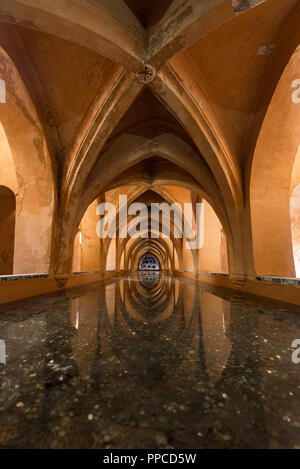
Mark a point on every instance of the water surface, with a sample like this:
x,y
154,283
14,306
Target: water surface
x,y
149,362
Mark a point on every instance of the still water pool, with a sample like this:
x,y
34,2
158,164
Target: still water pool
x,y
151,361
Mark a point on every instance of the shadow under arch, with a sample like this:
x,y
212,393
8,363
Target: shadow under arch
x,y
7,230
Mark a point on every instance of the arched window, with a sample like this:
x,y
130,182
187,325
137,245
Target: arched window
x,y
149,262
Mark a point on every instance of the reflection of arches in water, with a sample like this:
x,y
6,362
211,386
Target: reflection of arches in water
x,y
7,230
149,279
149,262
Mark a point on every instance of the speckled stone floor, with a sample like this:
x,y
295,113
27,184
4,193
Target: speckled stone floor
x,y
149,362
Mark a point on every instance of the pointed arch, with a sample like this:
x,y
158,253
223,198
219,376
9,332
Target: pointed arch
x,y
36,191
272,167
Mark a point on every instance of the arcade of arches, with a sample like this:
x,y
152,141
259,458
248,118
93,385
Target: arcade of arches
x,y
152,340
164,101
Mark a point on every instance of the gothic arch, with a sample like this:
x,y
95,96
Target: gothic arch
x,y
36,193
272,167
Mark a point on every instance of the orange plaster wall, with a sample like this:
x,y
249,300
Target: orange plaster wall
x,y
77,253
210,253
90,249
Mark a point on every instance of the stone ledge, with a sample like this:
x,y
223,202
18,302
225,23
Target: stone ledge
x,y
279,280
284,292
14,278
87,272
20,287
215,274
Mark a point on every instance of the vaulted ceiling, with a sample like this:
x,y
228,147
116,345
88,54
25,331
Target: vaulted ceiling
x,y
227,68
116,83
148,12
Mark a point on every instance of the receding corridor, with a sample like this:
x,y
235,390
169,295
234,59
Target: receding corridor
x,y
149,224
149,362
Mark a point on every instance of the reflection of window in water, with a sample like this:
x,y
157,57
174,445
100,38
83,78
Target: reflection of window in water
x,y
2,352
149,279
149,262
